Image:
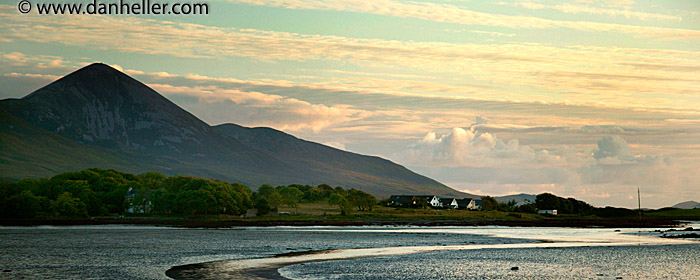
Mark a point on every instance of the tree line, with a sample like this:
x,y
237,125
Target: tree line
x,y
268,198
544,201
548,201
99,192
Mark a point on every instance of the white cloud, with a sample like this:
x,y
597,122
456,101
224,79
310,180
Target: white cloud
x,y
585,9
459,14
45,78
613,147
218,105
466,147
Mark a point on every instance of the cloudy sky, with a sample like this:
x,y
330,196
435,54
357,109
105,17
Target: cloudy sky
x,y
583,98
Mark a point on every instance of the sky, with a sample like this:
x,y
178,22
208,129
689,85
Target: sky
x,y
583,98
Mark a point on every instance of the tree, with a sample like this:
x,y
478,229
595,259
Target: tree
x,y
314,194
266,190
271,195
562,205
507,206
342,202
527,208
340,190
327,190
262,205
488,203
369,200
196,201
291,197
362,200
68,206
25,204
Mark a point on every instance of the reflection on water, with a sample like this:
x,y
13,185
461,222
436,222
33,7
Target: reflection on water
x,y
600,262
136,252
450,252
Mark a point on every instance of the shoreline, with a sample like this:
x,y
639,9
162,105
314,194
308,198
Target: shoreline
x,y
202,223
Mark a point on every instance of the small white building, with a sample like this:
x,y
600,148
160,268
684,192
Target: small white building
x,y
469,204
547,212
434,201
450,203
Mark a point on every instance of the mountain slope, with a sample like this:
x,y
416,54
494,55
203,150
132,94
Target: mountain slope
x,y
100,117
521,199
336,166
687,205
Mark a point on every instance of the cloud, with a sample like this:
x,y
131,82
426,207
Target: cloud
x,y
494,34
579,75
408,115
602,172
585,9
459,14
465,147
17,60
219,105
46,78
612,147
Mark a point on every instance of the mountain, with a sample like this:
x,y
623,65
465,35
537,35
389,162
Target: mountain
x,y
521,199
687,205
336,166
99,117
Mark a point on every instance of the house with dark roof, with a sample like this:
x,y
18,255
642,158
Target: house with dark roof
x,y
400,201
468,203
413,201
434,202
448,202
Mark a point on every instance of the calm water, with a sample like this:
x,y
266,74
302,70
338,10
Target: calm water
x,y
98,252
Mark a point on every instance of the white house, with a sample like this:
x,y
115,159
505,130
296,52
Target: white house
x,y
432,200
468,203
448,203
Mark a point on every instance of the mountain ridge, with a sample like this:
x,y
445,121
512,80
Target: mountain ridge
x,y
98,116
687,205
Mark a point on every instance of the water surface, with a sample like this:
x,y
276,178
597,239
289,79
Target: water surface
x,y
137,252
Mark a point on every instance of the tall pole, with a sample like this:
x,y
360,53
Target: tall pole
x,y
639,205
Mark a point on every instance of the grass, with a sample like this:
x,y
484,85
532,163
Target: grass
x,y
308,211
687,214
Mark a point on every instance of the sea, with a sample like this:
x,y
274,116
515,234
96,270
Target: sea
x,y
372,252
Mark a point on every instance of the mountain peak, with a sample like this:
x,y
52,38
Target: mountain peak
x,y
95,78
98,67
100,104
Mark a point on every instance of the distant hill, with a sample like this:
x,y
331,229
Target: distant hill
x,y
521,199
100,117
687,205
